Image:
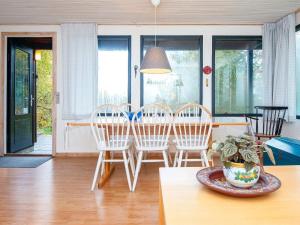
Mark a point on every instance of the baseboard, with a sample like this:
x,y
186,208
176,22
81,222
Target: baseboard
x,y
76,154
96,154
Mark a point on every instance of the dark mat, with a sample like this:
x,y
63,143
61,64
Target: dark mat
x,y
23,161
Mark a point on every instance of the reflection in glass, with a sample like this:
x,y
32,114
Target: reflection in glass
x,y
238,77
22,82
183,84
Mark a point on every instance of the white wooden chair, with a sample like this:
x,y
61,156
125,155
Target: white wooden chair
x,y
130,110
110,127
127,107
151,133
193,133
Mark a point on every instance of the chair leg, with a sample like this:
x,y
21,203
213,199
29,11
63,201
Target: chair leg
x,y
102,168
97,170
212,162
137,169
145,155
170,158
131,161
165,158
175,158
204,158
186,158
180,158
126,161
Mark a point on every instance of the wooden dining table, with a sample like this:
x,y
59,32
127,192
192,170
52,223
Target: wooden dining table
x,y
108,169
183,200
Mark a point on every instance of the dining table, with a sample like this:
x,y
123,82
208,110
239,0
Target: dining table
x,y
183,200
108,169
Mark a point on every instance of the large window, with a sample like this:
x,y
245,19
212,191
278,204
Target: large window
x,y
181,86
114,69
237,76
298,69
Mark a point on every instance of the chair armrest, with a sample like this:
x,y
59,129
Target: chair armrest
x,y
282,119
251,117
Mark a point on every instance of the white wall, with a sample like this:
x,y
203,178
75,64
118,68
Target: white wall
x,y
80,139
298,18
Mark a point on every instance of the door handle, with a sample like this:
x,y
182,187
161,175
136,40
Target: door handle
x,y
31,100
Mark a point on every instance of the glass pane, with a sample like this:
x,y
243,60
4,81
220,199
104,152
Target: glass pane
x,y
257,78
298,70
183,84
231,81
238,77
113,60
22,74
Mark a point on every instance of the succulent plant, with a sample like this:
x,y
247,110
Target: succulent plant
x,y
242,149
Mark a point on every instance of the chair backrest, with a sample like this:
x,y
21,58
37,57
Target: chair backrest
x,y
151,126
110,127
127,107
192,126
272,119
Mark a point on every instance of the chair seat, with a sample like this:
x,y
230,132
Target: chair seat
x,y
152,143
191,148
260,135
116,143
192,143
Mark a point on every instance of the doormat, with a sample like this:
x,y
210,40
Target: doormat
x,y
23,161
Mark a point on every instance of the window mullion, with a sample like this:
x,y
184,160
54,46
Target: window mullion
x,y
250,81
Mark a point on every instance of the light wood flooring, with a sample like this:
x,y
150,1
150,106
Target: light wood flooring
x,y
58,192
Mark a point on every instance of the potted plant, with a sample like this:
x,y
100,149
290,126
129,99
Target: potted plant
x,y
241,158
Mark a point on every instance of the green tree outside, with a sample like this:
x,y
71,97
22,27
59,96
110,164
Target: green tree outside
x,y
44,93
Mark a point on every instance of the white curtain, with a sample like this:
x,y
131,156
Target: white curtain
x,y
279,49
79,62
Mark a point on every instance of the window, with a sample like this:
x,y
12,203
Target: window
x,y
298,69
237,75
114,69
184,84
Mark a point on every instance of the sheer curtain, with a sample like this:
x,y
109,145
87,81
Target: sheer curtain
x,y
79,62
279,50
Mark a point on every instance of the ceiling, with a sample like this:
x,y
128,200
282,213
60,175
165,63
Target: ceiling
x,y
142,12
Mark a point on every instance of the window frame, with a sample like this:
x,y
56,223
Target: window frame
x,y
120,37
296,30
233,37
175,37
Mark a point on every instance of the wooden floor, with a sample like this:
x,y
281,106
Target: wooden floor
x,y
58,192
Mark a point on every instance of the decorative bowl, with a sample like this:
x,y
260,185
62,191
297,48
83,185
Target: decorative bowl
x,y
213,178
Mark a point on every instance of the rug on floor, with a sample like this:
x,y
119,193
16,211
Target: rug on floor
x,y
23,161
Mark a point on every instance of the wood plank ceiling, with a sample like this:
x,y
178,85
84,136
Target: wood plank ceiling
x,y
141,11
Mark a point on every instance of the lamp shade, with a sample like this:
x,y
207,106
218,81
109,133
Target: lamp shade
x,y
155,62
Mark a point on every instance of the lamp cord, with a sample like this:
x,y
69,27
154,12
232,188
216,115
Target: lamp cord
x,y
155,27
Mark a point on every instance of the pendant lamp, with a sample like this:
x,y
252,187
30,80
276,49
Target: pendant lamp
x,y
155,60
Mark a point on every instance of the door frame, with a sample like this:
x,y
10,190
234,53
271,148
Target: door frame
x,y
3,84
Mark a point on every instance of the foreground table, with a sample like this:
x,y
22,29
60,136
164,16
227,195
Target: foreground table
x,y
184,201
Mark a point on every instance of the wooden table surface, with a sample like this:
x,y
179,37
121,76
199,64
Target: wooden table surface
x,y
184,201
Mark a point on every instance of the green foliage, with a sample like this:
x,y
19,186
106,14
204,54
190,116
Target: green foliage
x,y
228,150
241,149
44,93
249,155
